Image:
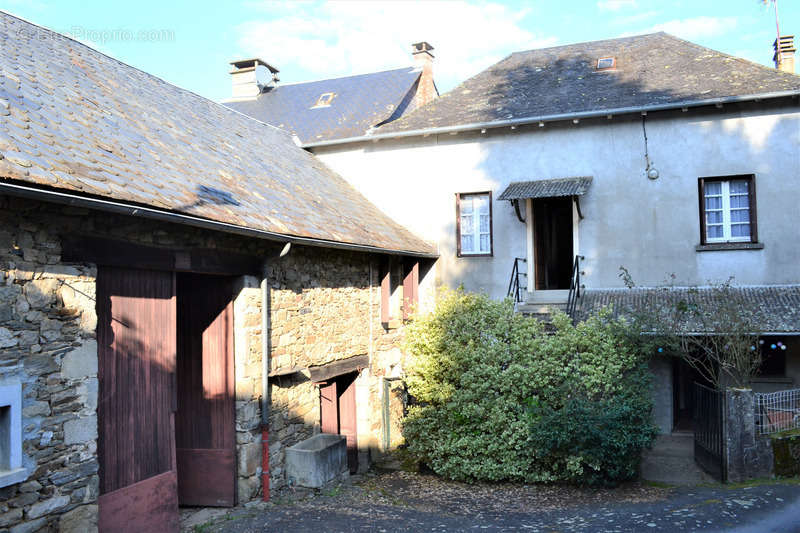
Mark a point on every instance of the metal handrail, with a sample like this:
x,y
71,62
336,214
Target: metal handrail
x,y
574,287
513,283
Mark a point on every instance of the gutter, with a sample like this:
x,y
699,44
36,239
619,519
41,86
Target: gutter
x,y
555,118
151,213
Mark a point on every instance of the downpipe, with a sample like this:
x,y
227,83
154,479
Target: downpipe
x,y
265,328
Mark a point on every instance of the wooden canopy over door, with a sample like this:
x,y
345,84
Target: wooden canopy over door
x,y
136,349
205,430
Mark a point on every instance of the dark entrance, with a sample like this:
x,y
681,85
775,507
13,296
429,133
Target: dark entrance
x,y
165,348
204,422
338,412
552,242
683,394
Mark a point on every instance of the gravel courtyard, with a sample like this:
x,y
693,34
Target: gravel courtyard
x,y
403,501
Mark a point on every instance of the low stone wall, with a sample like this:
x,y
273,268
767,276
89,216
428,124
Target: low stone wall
x,y
786,450
748,454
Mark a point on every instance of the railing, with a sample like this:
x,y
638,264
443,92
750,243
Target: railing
x,y
777,411
513,283
574,287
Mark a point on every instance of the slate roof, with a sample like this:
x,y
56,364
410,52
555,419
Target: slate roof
x,y
75,120
776,308
546,188
360,102
652,70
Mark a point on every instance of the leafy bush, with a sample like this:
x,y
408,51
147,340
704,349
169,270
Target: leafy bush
x,y
498,398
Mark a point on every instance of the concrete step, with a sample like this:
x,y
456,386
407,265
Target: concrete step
x,y
540,309
671,461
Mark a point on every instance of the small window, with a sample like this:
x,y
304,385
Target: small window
x,y
324,100
727,210
474,223
606,63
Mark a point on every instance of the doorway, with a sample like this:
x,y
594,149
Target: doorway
x,y
683,394
552,243
338,412
165,407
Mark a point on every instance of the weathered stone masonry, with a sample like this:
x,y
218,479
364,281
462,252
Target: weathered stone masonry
x,y
325,305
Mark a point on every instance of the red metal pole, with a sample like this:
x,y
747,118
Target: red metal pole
x,y
265,461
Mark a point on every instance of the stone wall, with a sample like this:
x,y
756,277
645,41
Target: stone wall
x,y
47,343
325,305
748,454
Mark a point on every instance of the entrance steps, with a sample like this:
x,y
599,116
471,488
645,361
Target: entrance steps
x,y
671,460
541,304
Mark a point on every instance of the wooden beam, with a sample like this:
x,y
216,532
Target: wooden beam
x,y
337,368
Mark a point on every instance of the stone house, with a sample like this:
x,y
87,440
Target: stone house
x,y
644,152
177,284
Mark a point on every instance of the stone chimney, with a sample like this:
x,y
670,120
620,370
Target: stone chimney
x,y
784,53
423,60
250,77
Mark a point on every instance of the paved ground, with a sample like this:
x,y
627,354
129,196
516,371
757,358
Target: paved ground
x,y
400,501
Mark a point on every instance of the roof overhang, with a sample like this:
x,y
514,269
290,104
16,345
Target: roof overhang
x,y
546,188
578,115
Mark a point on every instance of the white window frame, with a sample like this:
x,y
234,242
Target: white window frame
x,y
726,224
461,198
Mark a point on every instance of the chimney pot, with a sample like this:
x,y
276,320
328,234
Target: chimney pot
x,y
784,53
249,77
423,60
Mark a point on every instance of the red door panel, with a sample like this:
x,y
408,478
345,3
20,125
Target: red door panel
x,y
205,425
136,370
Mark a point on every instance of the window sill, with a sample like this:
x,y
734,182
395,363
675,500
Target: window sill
x,y
720,246
10,477
474,255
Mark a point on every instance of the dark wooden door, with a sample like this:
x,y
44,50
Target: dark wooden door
x,y
136,351
338,413
205,430
347,418
552,235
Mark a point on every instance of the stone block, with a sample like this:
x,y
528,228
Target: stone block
x,y
80,430
7,338
30,526
10,517
48,506
80,362
41,292
82,519
249,458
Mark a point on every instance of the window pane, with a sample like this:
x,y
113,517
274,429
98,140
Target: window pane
x,y
467,243
713,202
485,242
740,201
466,205
482,203
484,224
713,217
714,232
739,187
466,225
740,230
713,187
740,215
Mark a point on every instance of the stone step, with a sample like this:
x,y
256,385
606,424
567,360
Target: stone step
x,y
540,309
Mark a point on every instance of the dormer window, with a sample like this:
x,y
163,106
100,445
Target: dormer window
x,y
606,63
324,100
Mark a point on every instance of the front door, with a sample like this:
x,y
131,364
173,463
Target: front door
x,y
552,243
136,313
204,422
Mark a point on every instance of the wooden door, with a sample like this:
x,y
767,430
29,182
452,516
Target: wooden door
x,y
347,418
552,219
338,410
205,424
136,369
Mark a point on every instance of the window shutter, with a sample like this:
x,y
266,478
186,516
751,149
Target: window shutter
x,y
701,194
458,224
410,289
753,217
386,291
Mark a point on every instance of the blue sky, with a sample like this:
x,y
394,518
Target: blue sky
x,y
189,43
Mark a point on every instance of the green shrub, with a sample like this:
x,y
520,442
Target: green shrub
x,y
497,398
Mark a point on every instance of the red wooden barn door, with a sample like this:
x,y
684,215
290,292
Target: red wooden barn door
x,y
338,410
136,349
205,430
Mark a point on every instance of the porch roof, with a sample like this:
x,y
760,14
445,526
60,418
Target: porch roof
x,y
547,188
774,308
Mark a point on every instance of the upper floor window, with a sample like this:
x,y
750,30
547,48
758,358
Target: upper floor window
x,y
474,223
727,210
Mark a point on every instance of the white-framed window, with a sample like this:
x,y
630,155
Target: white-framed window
x,y
728,209
474,223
